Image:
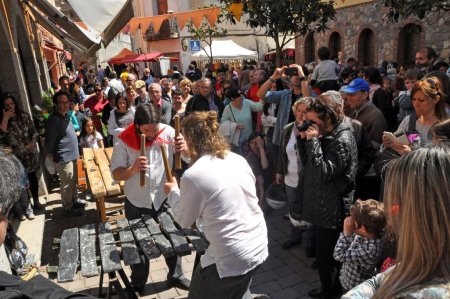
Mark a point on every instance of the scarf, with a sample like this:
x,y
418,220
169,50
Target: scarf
x,y
133,140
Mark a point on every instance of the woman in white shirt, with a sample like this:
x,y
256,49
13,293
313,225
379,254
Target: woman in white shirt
x,y
219,188
288,165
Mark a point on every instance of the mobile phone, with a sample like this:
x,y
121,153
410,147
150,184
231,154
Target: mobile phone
x,y
390,136
401,137
291,71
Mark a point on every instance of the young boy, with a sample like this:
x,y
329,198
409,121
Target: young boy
x,y
359,245
403,101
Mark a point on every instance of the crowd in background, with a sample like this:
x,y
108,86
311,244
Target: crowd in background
x,y
327,131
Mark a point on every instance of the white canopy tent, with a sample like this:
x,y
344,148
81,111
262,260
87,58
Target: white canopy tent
x,y
226,49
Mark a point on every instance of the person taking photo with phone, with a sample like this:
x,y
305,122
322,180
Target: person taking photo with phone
x,y
284,98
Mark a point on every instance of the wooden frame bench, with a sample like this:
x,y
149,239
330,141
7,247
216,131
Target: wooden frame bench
x,y
134,237
96,164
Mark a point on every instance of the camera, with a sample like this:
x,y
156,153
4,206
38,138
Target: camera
x,y
304,126
291,71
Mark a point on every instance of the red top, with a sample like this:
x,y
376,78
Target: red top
x,y
96,106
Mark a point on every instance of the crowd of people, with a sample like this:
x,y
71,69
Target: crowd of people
x,y
362,154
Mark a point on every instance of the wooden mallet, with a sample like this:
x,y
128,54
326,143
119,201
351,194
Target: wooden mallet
x,y
142,181
177,134
166,164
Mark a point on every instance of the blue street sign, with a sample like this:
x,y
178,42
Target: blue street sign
x,y
194,45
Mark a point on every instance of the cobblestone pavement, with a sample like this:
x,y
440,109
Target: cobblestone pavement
x,y
286,273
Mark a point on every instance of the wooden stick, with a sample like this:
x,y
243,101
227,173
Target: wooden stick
x,y
142,181
177,134
166,163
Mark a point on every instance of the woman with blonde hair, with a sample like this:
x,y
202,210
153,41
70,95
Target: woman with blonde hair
x,y
427,98
186,88
219,190
418,213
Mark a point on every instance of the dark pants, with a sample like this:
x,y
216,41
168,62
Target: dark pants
x,y
34,186
326,239
206,283
291,194
139,272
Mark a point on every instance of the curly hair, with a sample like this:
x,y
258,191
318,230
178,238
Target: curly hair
x,y
201,131
12,179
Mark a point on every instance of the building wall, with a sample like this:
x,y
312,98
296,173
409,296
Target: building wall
x,y
351,21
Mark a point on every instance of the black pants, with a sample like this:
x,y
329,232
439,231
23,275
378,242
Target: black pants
x,y
206,283
326,239
34,186
139,272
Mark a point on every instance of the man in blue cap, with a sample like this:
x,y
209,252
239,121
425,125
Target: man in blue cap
x,y
363,110
372,119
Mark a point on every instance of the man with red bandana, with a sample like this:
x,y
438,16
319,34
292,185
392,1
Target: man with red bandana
x,y
126,164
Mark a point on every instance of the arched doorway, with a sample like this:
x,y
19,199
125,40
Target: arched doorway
x,y
334,44
366,48
408,43
310,48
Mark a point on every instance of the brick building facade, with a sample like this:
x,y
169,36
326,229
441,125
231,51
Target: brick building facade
x,y
360,31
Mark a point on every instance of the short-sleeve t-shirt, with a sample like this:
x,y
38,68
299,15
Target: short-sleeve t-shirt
x,y
91,141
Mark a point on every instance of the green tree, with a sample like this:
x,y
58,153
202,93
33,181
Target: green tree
x,y
206,32
285,20
419,8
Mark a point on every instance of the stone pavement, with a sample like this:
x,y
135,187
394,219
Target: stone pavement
x,y
286,273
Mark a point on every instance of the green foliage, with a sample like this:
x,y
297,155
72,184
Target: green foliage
x,y
288,19
41,114
205,33
419,8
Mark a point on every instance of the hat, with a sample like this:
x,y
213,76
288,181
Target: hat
x,y
356,85
139,84
233,92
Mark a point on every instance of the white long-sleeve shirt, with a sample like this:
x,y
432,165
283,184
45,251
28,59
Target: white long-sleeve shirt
x,y
152,192
222,192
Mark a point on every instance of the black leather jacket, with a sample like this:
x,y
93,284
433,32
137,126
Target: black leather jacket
x,y
327,178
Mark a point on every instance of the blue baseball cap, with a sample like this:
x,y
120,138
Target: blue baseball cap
x,y
356,85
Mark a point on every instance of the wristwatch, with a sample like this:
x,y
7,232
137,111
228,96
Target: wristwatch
x,y
302,78
272,80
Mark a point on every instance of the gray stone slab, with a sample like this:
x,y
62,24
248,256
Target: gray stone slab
x,y
196,238
87,249
108,250
161,241
130,253
179,242
68,255
142,236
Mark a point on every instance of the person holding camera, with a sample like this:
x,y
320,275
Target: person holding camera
x,y
284,98
288,164
326,185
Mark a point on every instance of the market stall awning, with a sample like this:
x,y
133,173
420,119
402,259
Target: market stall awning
x,y
123,53
53,15
140,58
59,33
226,49
181,18
105,18
118,13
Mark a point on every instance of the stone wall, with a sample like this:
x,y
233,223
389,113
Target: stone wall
x,y
351,21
